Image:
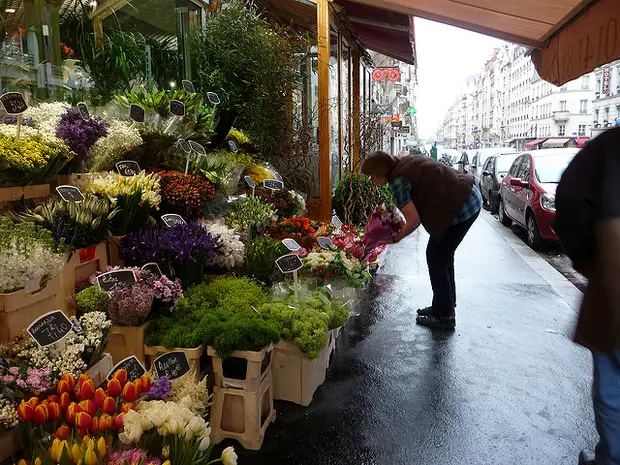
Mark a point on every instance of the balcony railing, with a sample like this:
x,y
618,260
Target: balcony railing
x,y
561,115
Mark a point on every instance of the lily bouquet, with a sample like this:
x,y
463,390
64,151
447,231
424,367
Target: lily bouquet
x,y
384,222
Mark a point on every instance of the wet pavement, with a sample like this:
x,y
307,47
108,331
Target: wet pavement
x,y
507,387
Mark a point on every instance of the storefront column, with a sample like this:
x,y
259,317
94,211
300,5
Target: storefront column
x,y
323,104
356,139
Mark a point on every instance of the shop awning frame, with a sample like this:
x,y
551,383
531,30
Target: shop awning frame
x,y
555,143
534,143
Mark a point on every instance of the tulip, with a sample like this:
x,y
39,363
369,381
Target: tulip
x,y
72,412
37,461
64,400
89,407
21,462
82,433
105,422
130,392
87,389
25,411
90,458
69,379
127,407
76,453
229,457
82,379
101,448
96,426
34,401
100,396
118,421
109,405
55,412
83,420
121,375
55,450
63,386
115,387
41,414
167,462
145,382
52,398
63,432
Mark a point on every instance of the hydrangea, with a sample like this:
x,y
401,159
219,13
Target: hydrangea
x,y
112,148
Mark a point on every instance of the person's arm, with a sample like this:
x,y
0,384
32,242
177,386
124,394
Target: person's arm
x,y
412,218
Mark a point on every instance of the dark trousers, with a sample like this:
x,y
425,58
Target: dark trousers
x,y
606,394
440,260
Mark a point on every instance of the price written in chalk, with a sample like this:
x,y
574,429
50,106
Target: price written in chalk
x,y
198,148
83,109
188,86
70,193
213,98
137,113
325,243
291,244
132,365
177,108
13,103
151,271
250,182
289,263
336,222
50,328
172,219
112,280
128,168
278,177
273,184
184,145
172,364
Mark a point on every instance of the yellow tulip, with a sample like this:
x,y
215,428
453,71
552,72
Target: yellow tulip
x,y
101,449
90,458
37,461
167,462
56,450
76,453
21,462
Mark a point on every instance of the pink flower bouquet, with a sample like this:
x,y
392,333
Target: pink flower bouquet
x,y
382,225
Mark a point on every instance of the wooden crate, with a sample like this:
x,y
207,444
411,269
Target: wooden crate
x,y
18,309
193,356
81,266
79,180
258,366
13,194
100,370
124,341
243,415
295,376
114,258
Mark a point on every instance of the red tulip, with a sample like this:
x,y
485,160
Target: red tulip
x,y
109,405
41,414
145,381
121,375
82,432
70,380
96,426
72,412
64,400
82,379
117,424
25,411
130,392
115,387
34,401
63,432
86,390
52,398
106,422
89,407
55,412
63,387
83,421
100,396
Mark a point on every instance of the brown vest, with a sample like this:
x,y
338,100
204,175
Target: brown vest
x,y
437,191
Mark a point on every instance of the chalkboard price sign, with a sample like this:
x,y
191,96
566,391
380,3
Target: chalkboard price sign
x,y
50,328
325,243
132,365
196,147
128,168
289,263
171,364
137,113
213,98
184,145
188,86
13,103
233,146
70,193
278,177
118,278
250,182
84,113
172,219
177,108
273,184
291,244
151,270
336,222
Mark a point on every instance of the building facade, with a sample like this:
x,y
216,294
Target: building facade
x,y
606,102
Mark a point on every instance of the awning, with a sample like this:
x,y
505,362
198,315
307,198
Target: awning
x,y
554,143
534,143
581,141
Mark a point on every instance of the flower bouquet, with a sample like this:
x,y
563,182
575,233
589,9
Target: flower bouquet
x,y
288,204
230,252
384,222
336,266
110,149
250,214
184,194
80,135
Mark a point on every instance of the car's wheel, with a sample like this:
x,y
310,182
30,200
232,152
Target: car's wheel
x,y
533,236
503,218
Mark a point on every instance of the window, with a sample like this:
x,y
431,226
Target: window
x,y
606,113
561,130
524,171
583,107
596,115
585,82
515,167
598,85
562,105
582,130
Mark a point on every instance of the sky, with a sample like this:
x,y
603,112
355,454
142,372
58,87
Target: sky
x,y
446,56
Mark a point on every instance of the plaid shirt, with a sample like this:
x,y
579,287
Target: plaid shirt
x,y
401,194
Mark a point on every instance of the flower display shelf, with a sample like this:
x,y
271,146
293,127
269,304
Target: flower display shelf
x,y
257,368
12,194
114,257
81,266
100,370
124,341
11,441
243,415
295,376
18,309
193,356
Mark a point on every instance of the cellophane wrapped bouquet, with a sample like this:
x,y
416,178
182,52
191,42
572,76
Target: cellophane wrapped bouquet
x,y
383,224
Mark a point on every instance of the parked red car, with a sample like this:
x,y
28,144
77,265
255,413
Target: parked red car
x,y
527,193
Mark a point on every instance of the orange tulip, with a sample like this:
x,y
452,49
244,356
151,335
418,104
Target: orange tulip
x,y
62,387
25,411
69,379
109,405
55,412
127,407
130,392
63,432
100,396
83,421
118,422
115,387
64,400
145,381
106,422
41,414
52,398
96,426
72,412
87,389
89,407
82,379
34,401
121,375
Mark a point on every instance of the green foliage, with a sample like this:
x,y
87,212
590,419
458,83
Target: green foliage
x,y
92,299
261,254
356,197
159,102
158,150
248,213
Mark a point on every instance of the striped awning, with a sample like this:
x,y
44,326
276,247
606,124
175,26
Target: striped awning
x,y
555,143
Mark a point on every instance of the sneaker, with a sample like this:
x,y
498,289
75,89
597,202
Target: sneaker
x,y
587,457
436,322
425,311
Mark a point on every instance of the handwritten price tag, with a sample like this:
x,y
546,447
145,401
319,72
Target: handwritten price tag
x,y
50,328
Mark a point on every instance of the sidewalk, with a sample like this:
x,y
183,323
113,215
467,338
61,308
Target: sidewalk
x,y
508,387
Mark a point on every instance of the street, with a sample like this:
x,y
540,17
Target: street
x,y
507,387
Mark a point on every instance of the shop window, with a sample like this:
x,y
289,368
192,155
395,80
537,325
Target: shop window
x,y
582,130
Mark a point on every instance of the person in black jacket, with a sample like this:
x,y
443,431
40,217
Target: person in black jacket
x,y
588,225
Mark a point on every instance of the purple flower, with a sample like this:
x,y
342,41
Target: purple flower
x,y
14,371
160,389
79,134
12,119
131,305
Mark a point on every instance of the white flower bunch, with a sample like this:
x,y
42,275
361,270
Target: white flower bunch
x,y
231,250
8,413
39,135
47,115
192,394
324,258
110,149
300,203
351,263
